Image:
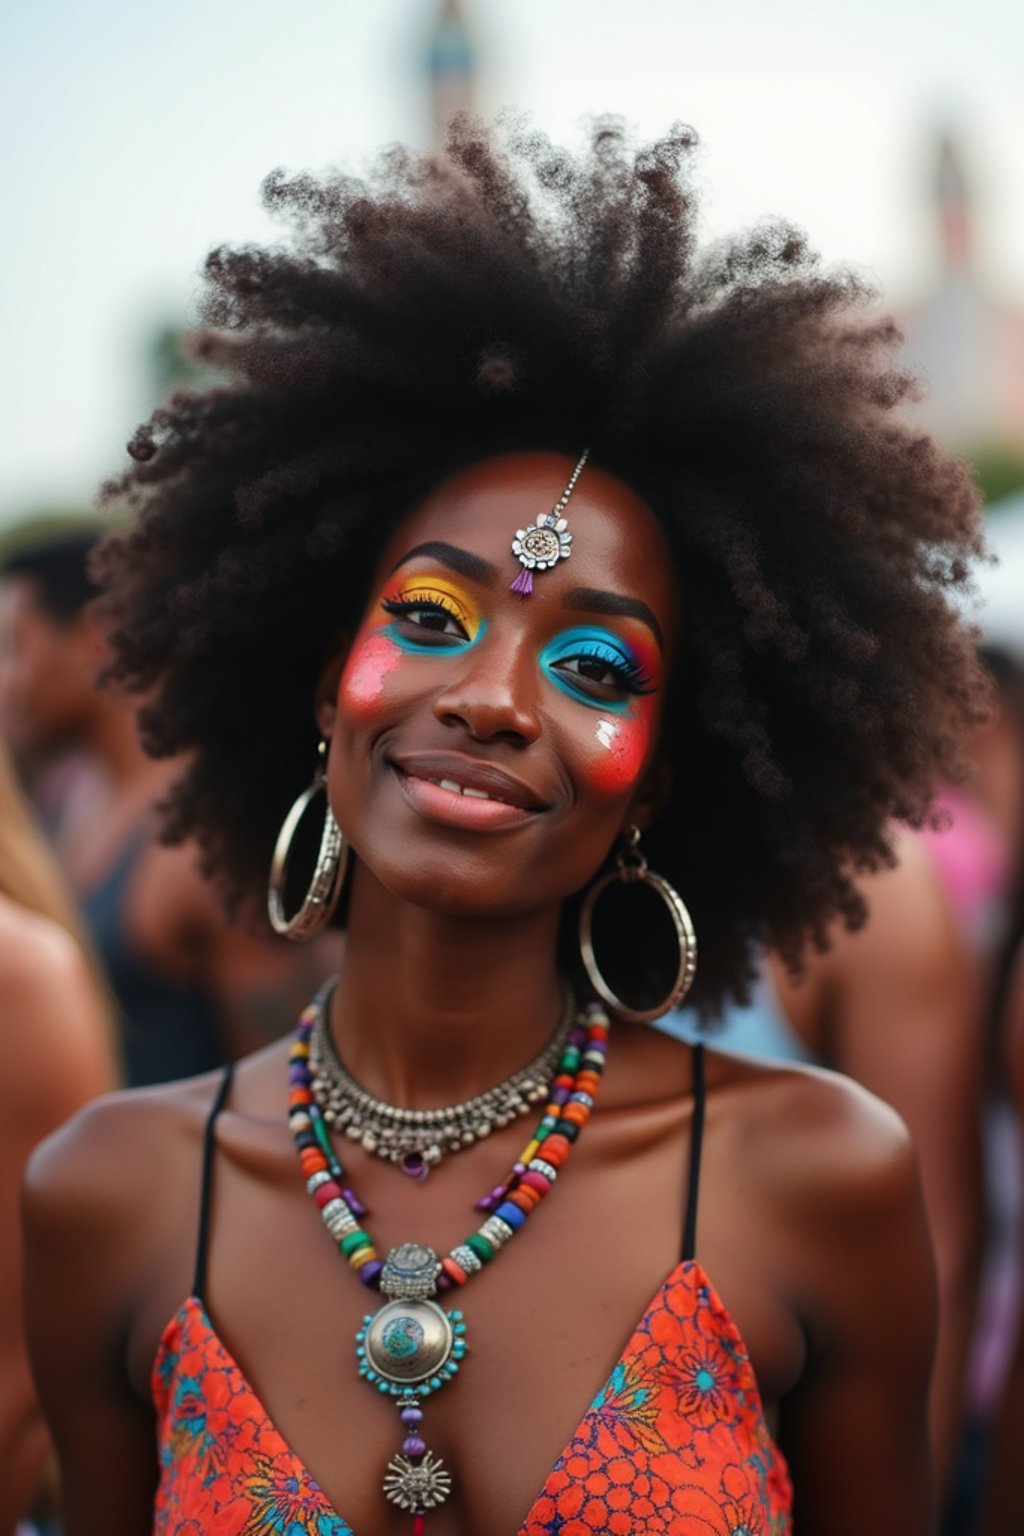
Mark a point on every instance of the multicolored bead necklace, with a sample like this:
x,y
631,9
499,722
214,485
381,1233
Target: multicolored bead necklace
x,y
411,1346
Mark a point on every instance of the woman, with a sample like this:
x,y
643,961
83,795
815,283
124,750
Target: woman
x,y
58,1054
749,663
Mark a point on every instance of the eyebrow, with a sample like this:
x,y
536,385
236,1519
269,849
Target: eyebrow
x,y
474,567
594,600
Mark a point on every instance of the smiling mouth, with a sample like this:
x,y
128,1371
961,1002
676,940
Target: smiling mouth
x,y
492,802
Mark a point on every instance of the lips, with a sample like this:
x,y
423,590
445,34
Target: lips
x,y
462,791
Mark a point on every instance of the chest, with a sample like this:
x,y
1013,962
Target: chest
x,y
575,1312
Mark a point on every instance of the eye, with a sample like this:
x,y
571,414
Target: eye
x,y
593,669
428,619
598,670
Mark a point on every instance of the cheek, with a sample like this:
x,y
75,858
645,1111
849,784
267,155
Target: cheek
x,y
372,658
620,750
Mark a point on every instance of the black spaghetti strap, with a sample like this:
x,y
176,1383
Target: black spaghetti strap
x,y
203,1242
696,1138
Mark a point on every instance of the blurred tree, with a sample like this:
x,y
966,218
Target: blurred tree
x,y
998,470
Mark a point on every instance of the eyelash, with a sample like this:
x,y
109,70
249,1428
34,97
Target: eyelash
x,y
629,674
426,602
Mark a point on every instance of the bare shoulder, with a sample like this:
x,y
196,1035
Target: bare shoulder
x,y
58,1050
37,956
104,1190
823,1141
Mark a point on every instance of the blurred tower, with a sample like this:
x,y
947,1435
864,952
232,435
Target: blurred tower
x,y
966,340
451,62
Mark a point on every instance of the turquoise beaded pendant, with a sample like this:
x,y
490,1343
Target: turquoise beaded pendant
x,y
408,1349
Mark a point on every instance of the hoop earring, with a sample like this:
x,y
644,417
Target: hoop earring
x,y
321,898
631,866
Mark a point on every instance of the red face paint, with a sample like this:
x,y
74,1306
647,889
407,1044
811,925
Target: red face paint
x,y
373,655
623,739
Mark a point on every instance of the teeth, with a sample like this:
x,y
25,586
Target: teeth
x,y
458,789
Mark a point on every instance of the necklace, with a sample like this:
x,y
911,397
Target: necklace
x,y
417,1139
411,1347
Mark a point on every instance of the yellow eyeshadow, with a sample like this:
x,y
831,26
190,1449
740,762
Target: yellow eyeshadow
x,y
440,595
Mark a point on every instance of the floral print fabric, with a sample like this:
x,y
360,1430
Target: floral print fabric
x,y
674,1444
224,1469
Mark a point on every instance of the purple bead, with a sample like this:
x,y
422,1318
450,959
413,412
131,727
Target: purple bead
x,y
355,1204
412,1445
297,1076
559,1095
444,1282
412,1416
519,1168
370,1273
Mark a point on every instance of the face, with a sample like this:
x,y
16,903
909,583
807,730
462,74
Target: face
x,y
46,671
487,748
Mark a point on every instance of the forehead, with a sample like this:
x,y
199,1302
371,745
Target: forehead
x,y
618,544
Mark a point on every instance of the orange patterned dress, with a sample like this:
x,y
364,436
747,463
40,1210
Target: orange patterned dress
x,y
674,1444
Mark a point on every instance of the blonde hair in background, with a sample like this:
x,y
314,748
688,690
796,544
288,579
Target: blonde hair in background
x,y
31,877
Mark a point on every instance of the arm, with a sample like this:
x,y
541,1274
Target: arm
x,y
1004,1501
855,1429
87,1202
899,1012
55,1058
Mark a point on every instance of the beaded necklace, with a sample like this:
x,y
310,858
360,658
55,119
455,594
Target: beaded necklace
x,y
410,1347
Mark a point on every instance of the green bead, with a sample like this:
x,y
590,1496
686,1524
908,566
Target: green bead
x,y
481,1247
320,1132
353,1241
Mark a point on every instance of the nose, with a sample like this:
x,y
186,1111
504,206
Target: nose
x,y
492,694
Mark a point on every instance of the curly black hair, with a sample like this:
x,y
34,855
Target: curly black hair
x,y
515,295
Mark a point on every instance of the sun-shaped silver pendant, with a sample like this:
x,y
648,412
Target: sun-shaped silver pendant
x,y
417,1485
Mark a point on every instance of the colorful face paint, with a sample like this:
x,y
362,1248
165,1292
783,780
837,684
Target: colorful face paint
x,y
430,613
373,655
605,670
598,667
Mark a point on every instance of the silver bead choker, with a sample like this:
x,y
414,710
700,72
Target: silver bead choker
x,y
418,1139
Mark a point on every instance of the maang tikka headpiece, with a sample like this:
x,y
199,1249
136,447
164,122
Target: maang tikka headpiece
x,y
542,544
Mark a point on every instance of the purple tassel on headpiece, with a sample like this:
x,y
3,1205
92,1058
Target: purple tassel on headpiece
x,y
523,583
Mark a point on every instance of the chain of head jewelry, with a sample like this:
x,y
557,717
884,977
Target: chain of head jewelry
x,y
417,1139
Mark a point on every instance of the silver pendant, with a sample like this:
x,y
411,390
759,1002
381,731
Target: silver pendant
x,y
417,1486
408,1349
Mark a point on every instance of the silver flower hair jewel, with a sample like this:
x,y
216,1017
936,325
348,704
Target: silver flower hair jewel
x,y
541,545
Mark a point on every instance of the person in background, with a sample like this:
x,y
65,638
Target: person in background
x,y
58,1053
193,990
893,1006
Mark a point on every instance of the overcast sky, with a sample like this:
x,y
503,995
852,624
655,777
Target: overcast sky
x,y
135,136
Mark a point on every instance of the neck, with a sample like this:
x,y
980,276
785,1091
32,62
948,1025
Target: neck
x,y
432,1009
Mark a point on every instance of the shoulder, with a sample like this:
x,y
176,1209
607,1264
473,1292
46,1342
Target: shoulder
x,y
828,1147
117,1168
37,956
57,1046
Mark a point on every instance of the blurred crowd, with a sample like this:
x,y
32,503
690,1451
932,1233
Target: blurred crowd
x,y
118,967
117,964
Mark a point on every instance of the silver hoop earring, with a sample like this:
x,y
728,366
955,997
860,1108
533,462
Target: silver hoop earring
x,y
630,867
328,874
